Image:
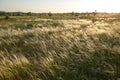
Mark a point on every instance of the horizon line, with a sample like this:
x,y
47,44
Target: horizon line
x,y
59,12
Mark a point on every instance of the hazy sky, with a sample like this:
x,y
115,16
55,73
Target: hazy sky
x,y
60,5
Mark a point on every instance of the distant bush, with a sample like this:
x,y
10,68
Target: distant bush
x,y
76,14
7,17
21,26
49,14
55,24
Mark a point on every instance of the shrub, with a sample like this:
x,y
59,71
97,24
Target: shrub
x,y
56,24
6,17
49,14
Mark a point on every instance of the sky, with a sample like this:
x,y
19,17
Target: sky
x,y
59,6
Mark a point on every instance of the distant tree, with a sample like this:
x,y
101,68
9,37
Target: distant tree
x,y
49,14
72,13
94,13
87,13
29,14
7,17
76,14
18,14
2,13
94,16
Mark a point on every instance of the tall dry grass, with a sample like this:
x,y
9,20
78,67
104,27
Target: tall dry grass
x,y
63,50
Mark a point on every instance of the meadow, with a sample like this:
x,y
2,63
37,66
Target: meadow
x,y
59,48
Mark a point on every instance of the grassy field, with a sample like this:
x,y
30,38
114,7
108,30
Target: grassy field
x,y
33,48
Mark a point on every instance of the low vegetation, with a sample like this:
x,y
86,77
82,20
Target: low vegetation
x,y
58,49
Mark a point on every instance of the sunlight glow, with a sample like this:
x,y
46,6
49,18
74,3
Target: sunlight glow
x,y
60,5
100,5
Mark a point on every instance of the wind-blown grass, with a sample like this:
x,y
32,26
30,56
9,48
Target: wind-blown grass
x,y
70,50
